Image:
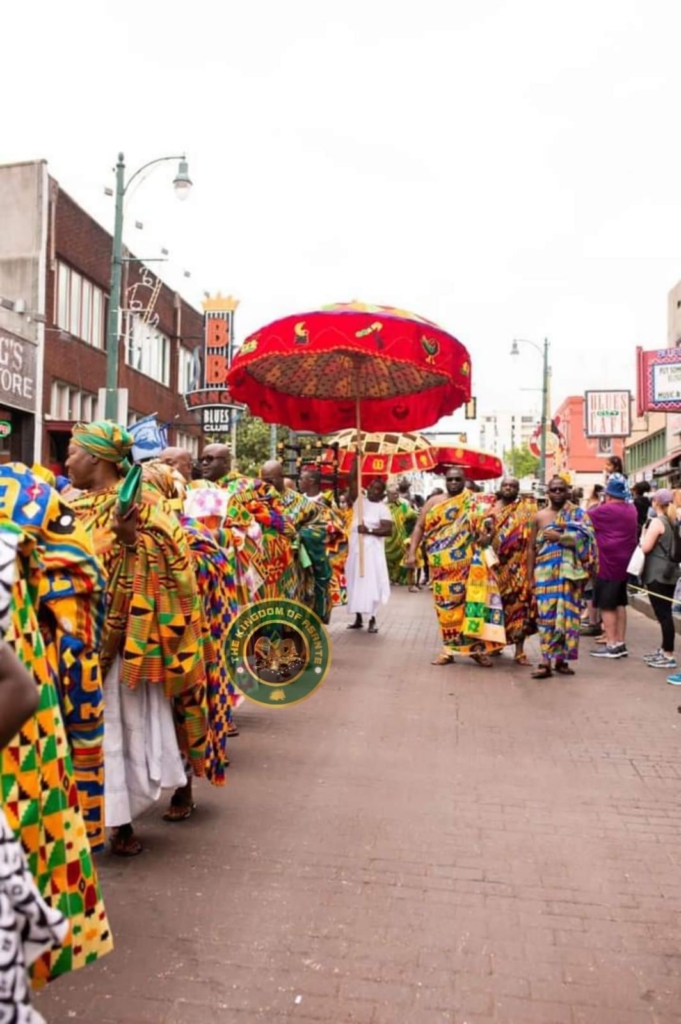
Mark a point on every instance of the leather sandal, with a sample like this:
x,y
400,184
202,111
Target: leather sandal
x,y
443,659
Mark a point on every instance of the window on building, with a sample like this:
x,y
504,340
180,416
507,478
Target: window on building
x,y
79,306
189,443
605,446
148,350
69,403
186,371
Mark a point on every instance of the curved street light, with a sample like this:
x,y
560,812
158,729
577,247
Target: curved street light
x,y
544,353
182,184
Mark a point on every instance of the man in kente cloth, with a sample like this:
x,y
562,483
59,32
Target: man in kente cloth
x,y
467,600
312,564
262,533
218,599
337,526
215,563
151,656
396,546
561,558
513,519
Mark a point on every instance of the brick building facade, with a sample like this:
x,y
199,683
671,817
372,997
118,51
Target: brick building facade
x,y
66,316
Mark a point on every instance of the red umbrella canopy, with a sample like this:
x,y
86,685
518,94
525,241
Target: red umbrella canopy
x,y
308,370
477,464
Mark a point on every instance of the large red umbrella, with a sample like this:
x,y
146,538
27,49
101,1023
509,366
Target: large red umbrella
x,y
352,364
310,371
478,465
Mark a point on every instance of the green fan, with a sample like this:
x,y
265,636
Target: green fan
x,y
130,490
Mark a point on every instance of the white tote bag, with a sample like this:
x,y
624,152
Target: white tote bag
x,y
637,561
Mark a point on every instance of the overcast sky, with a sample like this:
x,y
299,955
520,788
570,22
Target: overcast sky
x,y
508,169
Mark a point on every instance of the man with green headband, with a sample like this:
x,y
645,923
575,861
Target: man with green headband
x,y
151,654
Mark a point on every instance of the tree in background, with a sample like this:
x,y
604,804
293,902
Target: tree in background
x,y
523,462
253,443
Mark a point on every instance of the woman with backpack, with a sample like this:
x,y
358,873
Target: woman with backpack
x,y
660,543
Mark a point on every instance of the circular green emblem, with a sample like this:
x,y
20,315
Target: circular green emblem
x,y
278,652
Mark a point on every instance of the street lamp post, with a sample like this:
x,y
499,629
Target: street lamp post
x,y
182,184
546,374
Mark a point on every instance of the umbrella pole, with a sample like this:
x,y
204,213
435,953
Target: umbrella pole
x,y
360,499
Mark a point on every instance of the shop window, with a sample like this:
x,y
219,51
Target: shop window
x,y
69,403
79,307
148,350
189,443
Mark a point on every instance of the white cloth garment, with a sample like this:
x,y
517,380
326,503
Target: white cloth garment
x,y
366,593
141,755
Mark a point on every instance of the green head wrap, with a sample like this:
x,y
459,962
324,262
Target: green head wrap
x,y
105,440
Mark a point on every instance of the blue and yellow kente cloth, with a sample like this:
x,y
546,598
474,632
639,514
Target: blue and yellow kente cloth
x,y
39,788
70,601
560,574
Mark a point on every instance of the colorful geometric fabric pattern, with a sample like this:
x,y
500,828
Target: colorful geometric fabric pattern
x,y
40,797
263,539
70,597
467,599
560,573
512,529
312,562
404,520
154,616
219,597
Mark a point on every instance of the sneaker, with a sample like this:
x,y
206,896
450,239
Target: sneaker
x,y
623,649
654,656
589,630
675,680
662,662
609,651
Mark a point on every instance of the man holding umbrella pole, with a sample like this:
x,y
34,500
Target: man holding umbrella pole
x,y
367,576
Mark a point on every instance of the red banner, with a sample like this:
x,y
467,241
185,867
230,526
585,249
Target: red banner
x,y
658,374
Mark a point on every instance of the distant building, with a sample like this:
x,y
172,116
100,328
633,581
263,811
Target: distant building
x,y
55,265
653,452
502,431
584,457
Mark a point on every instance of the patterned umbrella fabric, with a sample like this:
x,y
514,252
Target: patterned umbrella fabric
x,y
312,371
383,454
477,464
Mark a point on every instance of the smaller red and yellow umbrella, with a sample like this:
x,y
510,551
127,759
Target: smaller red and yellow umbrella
x,y
384,454
478,465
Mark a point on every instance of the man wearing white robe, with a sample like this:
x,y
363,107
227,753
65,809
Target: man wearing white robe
x,y
368,590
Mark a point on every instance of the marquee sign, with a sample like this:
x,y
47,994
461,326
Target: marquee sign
x,y
209,393
659,380
607,413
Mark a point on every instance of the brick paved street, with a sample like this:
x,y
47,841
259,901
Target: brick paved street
x,y
415,845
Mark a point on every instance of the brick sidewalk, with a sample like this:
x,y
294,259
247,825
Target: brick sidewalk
x,y
415,845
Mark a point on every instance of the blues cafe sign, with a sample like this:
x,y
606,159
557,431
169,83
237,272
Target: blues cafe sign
x,y
208,391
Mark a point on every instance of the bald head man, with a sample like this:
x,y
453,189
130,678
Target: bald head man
x,y
180,459
273,474
215,462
